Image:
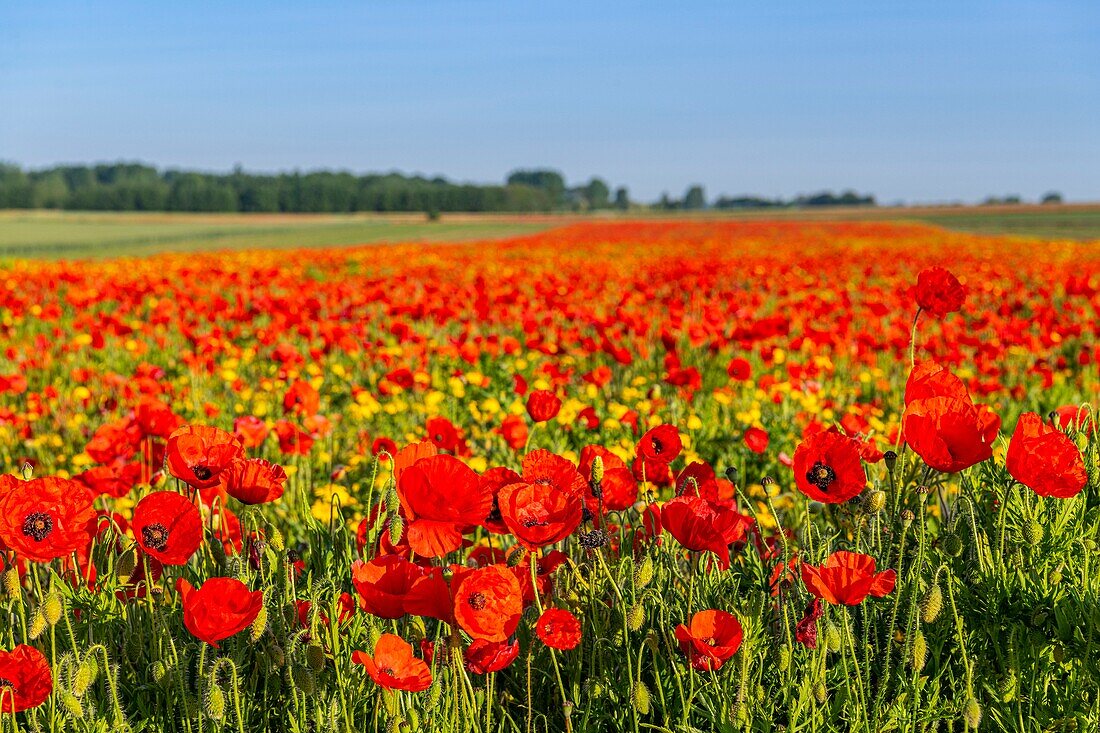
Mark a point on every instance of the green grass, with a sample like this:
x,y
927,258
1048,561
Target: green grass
x,y
84,235
1058,223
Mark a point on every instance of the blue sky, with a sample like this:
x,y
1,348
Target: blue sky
x,y
929,101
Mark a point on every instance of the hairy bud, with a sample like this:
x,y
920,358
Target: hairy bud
x,y
635,617
920,651
972,713
259,624
640,698
53,608
643,573
931,604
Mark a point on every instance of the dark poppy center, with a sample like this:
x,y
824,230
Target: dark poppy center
x,y
202,473
387,670
544,481
38,526
657,447
532,522
821,476
710,641
478,601
155,536
5,682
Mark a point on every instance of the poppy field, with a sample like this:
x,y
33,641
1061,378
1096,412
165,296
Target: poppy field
x,y
613,476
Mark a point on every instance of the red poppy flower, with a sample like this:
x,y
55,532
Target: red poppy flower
x,y
929,379
293,440
620,490
45,518
25,679
488,603
156,418
661,444
950,434
493,481
116,480
168,526
393,665
805,633
543,405
254,481
701,526
1073,416
301,399
197,454
251,431
219,609
710,639
739,370
847,578
514,431
383,583
442,498
558,629
939,292
756,439
1044,459
484,657
827,467
443,433
539,514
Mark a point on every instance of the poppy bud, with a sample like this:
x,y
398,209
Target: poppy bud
x,y
639,696
86,675
38,624
643,573
931,604
972,713
820,694
891,459
597,469
134,648
315,657
635,617
278,656
259,624
951,544
217,549
832,637
517,556
397,528
1055,577
1033,533
127,563
874,501
1008,686
160,672
275,539
12,584
731,475
302,679
784,658
53,608
72,705
920,652
214,702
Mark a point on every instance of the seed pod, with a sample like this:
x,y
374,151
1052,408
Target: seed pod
x,y
12,584
53,608
784,658
891,459
832,637
214,702
302,679
643,573
597,469
972,713
1033,533
907,516
920,651
951,544
820,693
259,624
315,657
397,528
517,556
640,698
874,502
38,624
635,617
72,705
931,604
86,675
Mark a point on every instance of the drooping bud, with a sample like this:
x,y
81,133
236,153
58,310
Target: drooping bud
x,y
517,556
214,702
160,672
784,658
635,617
397,528
72,705
86,675
820,693
643,573
127,563
951,544
640,697
302,679
1008,686
832,637
920,651
12,584
53,608
1033,533
259,624
972,713
874,501
931,604
275,539
38,624
315,657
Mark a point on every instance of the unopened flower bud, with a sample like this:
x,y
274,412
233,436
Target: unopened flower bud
x,y
397,528
931,604
951,544
214,702
874,502
972,713
259,624
643,573
920,651
1033,533
53,608
640,697
635,617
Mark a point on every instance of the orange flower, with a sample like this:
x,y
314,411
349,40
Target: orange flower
x,y
25,679
847,578
45,518
254,481
488,603
711,638
393,665
558,629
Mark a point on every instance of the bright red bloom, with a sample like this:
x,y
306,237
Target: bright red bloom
x,y
1044,459
847,578
620,490
254,481
661,444
293,440
756,439
558,629
383,583
251,431
929,379
488,603
393,665
197,454
493,481
543,405
939,292
711,638
483,657
302,399
442,498
168,526
739,370
25,679
443,433
700,526
156,418
45,518
1073,416
539,514
950,434
514,431
827,467
116,480
219,609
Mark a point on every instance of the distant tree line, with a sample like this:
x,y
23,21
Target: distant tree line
x,y
137,187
